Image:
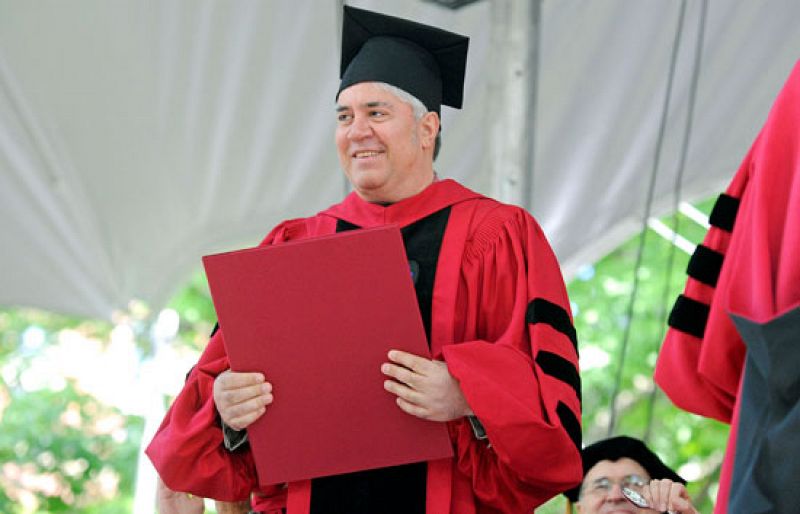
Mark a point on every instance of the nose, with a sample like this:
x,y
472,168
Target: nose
x,y
615,493
359,128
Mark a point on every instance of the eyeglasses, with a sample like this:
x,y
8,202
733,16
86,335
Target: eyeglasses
x,y
603,485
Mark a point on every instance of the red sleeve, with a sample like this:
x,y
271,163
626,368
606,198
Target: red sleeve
x,y
518,366
700,361
187,449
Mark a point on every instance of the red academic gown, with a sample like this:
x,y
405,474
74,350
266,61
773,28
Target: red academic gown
x,y
747,265
500,319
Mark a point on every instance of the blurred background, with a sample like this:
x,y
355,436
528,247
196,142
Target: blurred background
x,y
137,136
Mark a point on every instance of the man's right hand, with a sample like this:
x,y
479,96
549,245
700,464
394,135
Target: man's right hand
x,y
241,398
667,496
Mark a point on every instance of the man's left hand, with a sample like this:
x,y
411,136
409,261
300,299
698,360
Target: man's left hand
x,y
424,387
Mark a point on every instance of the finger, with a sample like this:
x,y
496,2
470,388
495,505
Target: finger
x,y
244,421
413,409
660,489
647,496
235,379
245,409
231,397
403,391
679,491
409,360
666,492
401,374
655,490
678,500
681,506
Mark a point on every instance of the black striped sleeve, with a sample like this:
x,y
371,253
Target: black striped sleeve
x,y
705,265
689,316
570,423
560,368
543,311
723,214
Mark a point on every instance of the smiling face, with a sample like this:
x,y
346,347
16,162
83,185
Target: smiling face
x,y
385,152
597,498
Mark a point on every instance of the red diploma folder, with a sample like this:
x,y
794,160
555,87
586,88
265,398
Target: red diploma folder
x,y
318,317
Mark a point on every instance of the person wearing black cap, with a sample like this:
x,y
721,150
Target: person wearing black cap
x,y
504,377
622,461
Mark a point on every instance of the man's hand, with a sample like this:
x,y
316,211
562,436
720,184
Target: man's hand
x,y
424,387
232,507
668,496
173,502
241,398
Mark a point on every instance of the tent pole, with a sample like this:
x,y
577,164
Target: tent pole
x,y
347,188
665,110
514,51
160,331
144,497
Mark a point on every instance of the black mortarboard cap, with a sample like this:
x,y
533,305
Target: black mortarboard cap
x,y
618,447
425,61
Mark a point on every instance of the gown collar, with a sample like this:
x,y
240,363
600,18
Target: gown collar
x,y
437,196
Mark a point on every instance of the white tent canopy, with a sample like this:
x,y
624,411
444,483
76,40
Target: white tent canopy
x,y
136,136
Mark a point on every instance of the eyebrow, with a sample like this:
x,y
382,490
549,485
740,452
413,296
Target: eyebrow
x,y
628,476
340,108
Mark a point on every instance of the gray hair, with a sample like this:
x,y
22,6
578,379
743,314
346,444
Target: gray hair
x,y
418,107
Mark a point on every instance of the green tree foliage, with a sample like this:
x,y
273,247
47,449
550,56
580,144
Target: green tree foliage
x,y
196,310
61,449
68,451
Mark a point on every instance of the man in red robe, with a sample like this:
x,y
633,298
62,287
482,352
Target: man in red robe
x,y
732,351
504,374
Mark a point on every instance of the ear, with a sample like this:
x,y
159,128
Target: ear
x,y
428,129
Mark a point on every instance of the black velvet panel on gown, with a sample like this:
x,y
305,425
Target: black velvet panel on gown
x,y
397,489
